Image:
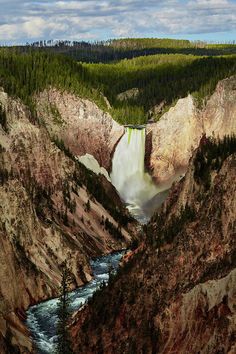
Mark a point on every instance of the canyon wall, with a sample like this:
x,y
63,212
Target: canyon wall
x,y
83,127
172,140
52,209
177,293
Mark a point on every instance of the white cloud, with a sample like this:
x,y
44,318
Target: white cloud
x,y
28,20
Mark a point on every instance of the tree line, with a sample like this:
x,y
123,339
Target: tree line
x,y
118,49
158,79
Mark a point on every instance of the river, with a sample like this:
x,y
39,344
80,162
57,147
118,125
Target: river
x,y
142,197
42,318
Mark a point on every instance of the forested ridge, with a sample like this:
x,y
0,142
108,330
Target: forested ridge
x,y
118,49
24,74
157,79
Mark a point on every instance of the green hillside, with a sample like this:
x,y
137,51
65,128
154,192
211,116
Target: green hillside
x,y
117,49
157,79
24,74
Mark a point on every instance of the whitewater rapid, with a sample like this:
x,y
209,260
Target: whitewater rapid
x,y
135,186
42,318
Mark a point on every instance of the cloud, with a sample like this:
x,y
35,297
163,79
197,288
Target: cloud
x,y
26,20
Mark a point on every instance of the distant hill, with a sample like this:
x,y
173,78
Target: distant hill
x,y
118,49
157,80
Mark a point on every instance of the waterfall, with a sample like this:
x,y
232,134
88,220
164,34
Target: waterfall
x,y
134,185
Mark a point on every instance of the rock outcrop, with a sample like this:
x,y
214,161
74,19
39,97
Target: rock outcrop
x,y
129,94
172,140
218,117
52,209
177,294
91,163
83,127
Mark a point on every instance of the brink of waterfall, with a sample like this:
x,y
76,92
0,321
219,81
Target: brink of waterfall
x,y
134,185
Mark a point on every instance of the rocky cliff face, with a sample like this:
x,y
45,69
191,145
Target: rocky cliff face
x,y
177,294
172,140
52,209
219,114
83,127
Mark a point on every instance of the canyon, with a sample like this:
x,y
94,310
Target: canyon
x,y
54,208
170,142
176,294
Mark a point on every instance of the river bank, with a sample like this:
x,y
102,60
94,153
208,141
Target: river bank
x,y
42,318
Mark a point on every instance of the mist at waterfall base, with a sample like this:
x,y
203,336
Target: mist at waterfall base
x,y
42,318
134,185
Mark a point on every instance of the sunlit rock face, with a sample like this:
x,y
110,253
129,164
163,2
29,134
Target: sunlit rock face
x,y
218,117
171,141
134,185
81,124
92,164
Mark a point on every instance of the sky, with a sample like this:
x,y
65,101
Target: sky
x,y
24,21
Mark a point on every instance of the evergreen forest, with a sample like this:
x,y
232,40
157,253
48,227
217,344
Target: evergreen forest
x,y
137,89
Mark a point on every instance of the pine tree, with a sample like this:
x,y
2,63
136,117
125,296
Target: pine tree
x,y
63,312
88,206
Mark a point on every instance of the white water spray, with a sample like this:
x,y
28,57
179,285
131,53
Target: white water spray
x,y
134,185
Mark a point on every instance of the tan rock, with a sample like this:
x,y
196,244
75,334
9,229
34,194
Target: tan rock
x,y
83,127
35,180
177,296
129,94
219,116
172,140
